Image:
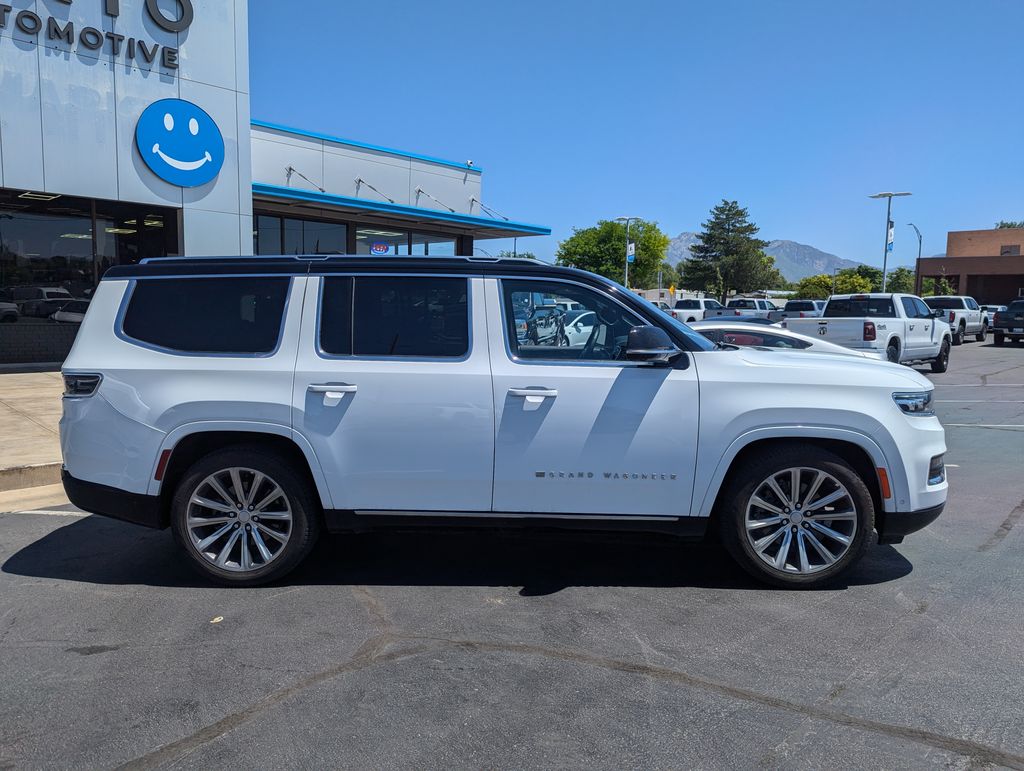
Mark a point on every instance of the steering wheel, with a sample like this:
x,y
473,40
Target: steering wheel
x,y
588,349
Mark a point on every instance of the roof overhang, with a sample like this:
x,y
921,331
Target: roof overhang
x,y
317,204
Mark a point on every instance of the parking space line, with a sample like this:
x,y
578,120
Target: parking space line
x,y
984,425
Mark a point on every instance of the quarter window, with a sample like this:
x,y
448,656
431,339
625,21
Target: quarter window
x,y
539,326
208,315
395,316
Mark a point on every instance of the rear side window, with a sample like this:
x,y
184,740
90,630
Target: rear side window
x,y
945,303
872,307
395,316
235,314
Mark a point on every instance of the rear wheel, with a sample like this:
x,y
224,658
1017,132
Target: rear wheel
x,y
244,517
941,362
997,338
892,352
958,335
797,517
980,337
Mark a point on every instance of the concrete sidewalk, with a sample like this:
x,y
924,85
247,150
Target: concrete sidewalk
x,y
29,444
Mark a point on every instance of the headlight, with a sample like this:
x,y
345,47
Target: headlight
x,y
915,402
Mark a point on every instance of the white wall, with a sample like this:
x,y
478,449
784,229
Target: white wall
x,y
335,166
68,114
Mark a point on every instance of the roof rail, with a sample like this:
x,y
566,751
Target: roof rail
x,y
321,257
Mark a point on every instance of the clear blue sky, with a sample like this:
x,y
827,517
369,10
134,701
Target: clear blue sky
x,y
581,110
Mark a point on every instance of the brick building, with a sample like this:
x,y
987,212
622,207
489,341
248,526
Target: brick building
x,y
985,264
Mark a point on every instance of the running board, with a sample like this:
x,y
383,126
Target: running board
x,y
365,520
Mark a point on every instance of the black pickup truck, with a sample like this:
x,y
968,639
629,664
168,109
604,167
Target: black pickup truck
x,y
1009,323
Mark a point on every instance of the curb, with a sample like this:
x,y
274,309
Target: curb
x,y
18,477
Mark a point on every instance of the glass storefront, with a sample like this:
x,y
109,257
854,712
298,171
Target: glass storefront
x,y
53,250
288,235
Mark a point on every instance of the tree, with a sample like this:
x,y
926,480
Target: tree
x,y
936,286
602,249
1009,224
729,256
900,280
669,275
813,287
872,275
852,282
506,254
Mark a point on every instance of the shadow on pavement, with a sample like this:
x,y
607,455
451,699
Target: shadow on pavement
x,y
101,551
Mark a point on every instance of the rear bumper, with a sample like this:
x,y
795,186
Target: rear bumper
x,y
892,526
111,502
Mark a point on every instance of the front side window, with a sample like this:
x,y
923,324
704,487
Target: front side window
x,y
538,327
908,307
395,316
208,315
923,311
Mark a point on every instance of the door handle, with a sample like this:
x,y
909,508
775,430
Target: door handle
x,y
540,393
332,391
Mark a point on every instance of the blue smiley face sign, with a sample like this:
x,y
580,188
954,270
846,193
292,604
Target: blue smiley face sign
x,y
180,142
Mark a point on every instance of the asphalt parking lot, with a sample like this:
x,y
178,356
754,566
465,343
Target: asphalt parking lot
x,y
533,650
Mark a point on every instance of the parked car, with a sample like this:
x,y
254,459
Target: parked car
x,y
72,312
965,317
900,325
664,307
252,402
743,306
696,309
1009,323
990,312
39,301
728,332
577,326
799,309
9,313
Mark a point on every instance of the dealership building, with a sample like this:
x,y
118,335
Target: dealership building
x,y
984,264
125,133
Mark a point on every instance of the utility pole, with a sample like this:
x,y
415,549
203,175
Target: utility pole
x,y
625,281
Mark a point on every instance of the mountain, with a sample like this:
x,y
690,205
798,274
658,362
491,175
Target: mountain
x,y
795,261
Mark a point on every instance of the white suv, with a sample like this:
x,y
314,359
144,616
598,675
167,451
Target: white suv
x,y
248,403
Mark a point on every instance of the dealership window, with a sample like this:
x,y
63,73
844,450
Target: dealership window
x,y
289,235
1009,250
434,246
382,242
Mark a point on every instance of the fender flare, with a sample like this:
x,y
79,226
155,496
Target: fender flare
x,y
174,436
898,482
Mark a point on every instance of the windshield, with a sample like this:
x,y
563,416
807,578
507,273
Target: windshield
x,y
799,305
944,303
874,307
1016,306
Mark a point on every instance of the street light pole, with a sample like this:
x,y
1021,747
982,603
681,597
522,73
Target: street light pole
x,y
625,281
888,226
918,240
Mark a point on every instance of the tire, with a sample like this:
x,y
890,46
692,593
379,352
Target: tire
x,y
941,362
812,568
980,337
997,338
958,336
296,502
690,320
892,352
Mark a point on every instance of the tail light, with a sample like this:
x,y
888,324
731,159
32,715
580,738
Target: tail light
x,y
736,313
801,314
79,384
952,317
869,330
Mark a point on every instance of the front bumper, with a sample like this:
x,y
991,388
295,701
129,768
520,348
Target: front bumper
x,y
111,502
892,526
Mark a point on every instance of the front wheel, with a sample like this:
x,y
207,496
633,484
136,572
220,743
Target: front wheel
x,y
244,516
798,517
892,352
980,337
941,362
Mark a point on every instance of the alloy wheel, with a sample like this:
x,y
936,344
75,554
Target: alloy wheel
x,y
239,519
800,520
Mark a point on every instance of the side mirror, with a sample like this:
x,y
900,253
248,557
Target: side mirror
x,y
938,314
651,345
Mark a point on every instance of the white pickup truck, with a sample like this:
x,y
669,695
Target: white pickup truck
x,y
799,309
696,309
744,306
901,325
964,316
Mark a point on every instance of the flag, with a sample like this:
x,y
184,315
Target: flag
x,y
891,236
